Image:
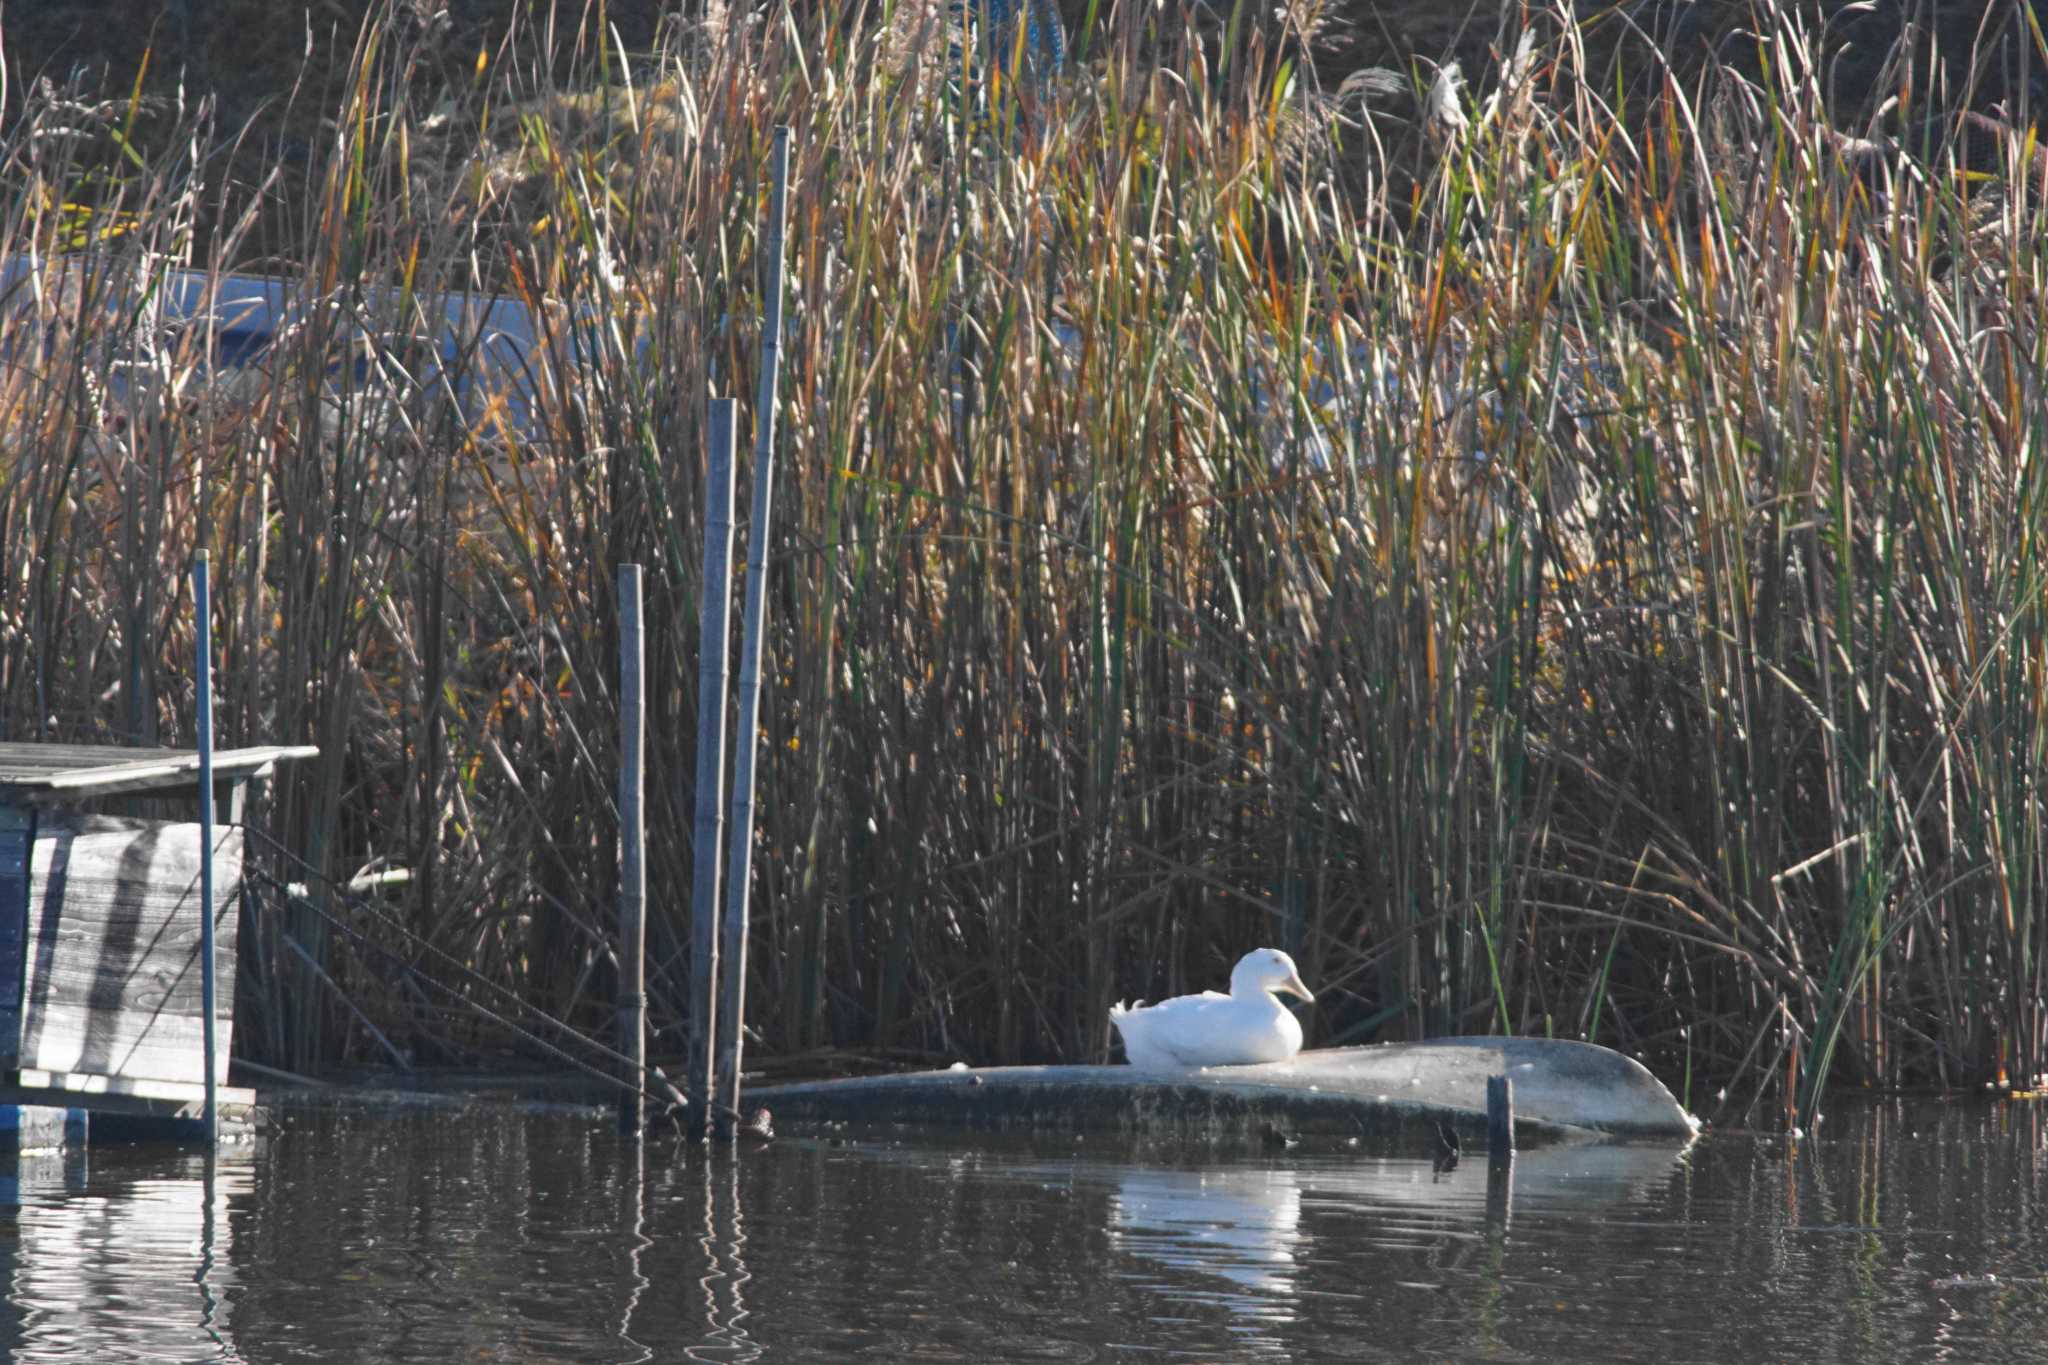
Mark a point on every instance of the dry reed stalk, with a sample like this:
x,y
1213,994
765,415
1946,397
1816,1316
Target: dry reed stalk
x,y
1598,591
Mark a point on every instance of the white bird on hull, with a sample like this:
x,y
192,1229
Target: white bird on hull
x,y
1212,1029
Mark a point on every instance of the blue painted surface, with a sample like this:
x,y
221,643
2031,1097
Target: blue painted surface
x,y
16,838
985,32
482,345
37,1127
1045,37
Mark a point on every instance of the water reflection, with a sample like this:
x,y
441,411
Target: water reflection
x,y
1564,1178
1244,1225
722,1285
378,1233
633,1219
212,1320
1239,1224
148,1233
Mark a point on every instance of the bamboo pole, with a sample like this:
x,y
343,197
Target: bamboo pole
x,y
202,607
732,1011
632,1005
714,618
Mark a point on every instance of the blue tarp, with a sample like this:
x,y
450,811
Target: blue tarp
x,y
480,343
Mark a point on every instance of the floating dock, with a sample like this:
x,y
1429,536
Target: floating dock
x,y
1562,1090
101,1020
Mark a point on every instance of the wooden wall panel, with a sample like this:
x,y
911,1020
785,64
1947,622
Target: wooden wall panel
x,y
17,828
112,977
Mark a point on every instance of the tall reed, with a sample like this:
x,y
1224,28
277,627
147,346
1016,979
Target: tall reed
x,y
1574,573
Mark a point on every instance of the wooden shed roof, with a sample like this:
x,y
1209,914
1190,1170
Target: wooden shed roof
x,y
76,772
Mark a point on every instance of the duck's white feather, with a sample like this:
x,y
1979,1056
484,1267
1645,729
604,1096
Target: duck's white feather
x,y
1212,1029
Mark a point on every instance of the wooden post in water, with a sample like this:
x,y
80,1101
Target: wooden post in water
x,y
732,1013
632,1005
202,608
1500,1197
714,624
1500,1118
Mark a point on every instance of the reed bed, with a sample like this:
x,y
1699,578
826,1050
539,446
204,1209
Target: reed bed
x,y
1555,566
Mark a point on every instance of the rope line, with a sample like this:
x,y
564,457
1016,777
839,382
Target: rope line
x,y
663,1092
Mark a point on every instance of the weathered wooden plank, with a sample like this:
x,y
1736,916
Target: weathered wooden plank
x,y
71,772
130,1111
32,758
33,1083
31,761
112,978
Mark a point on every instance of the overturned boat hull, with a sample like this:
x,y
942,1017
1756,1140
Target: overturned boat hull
x,y
1561,1089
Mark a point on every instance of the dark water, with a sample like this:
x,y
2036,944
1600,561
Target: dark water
x,y
487,1232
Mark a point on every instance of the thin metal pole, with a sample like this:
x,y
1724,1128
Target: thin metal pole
x,y
632,854
202,608
1500,1118
746,739
714,625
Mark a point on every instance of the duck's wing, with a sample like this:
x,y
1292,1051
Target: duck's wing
x,y
1205,1031
1142,1014
1180,1032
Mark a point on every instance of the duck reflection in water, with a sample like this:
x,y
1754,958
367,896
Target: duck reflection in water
x,y
1242,1225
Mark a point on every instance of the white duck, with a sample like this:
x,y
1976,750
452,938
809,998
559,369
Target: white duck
x,y
1211,1029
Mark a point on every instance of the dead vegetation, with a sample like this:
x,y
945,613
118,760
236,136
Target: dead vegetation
x,y
1575,569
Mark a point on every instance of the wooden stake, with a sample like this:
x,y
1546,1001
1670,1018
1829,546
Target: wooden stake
x,y
632,1006
714,624
202,607
1500,1118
